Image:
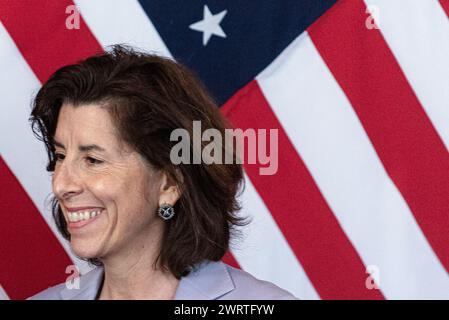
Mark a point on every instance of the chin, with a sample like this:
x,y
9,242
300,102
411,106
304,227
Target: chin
x,y
84,249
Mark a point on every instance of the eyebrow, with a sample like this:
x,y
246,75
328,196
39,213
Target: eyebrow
x,y
82,148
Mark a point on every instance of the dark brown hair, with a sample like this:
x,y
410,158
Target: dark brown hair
x,y
148,97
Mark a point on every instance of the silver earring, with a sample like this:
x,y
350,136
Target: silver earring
x,y
166,211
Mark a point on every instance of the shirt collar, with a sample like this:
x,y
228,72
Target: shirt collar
x,y
88,286
208,280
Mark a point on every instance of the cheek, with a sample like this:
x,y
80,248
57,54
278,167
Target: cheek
x,y
140,197
104,188
131,198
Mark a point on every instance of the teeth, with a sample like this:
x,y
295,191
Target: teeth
x,y
82,215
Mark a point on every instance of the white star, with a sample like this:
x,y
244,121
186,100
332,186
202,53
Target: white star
x,y
209,25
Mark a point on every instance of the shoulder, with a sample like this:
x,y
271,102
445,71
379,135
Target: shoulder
x,y
216,280
249,287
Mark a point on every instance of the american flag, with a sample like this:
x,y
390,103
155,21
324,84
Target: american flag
x,y
359,93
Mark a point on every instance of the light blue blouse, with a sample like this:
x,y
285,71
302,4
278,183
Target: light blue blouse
x,y
210,280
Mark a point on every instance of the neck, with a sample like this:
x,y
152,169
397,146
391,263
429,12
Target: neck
x,y
133,275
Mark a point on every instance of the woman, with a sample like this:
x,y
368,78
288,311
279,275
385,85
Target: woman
x,y
155,229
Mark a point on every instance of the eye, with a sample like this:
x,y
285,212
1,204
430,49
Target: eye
x,y
59,156
91,160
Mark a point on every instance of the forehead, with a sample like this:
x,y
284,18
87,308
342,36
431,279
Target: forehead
x,y
86,123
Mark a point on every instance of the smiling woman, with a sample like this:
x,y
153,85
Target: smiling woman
x,y
155,229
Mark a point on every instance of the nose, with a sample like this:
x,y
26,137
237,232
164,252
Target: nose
x,y
66,181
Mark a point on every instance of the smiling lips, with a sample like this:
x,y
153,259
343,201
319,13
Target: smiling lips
x,y
83,215
79,218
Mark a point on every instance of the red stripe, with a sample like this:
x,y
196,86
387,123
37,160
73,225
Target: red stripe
x,y
327,256
27,244
31,256
445,5
230,259
410,149
40,34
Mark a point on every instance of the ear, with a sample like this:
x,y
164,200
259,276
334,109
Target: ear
x,y
169,191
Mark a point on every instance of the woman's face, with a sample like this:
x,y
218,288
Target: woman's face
x,y
107,192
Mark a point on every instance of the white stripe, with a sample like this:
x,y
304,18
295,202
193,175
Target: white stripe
x,y
329,137
3,295
418,34
117,21
265,253
22,152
